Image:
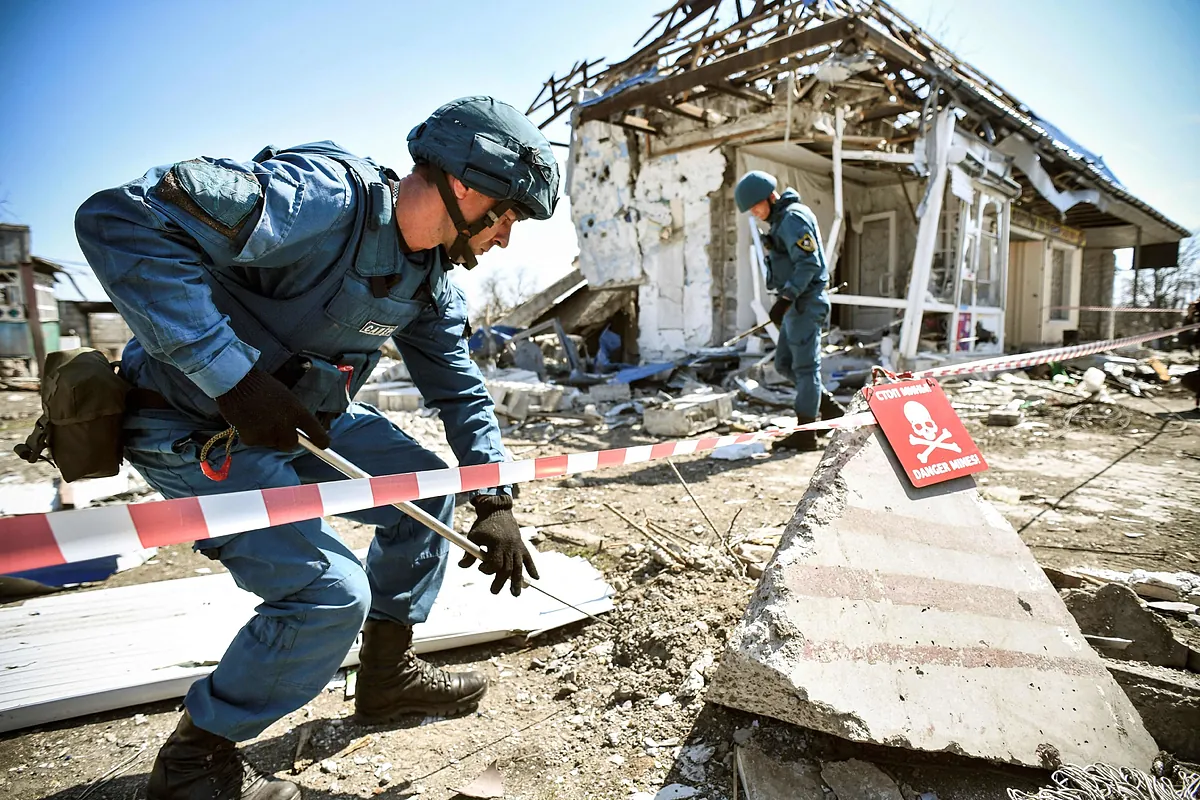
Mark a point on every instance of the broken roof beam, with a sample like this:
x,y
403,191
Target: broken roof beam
x,y
738,27
691,111
744,92
640,124
723,68
792,64
561,90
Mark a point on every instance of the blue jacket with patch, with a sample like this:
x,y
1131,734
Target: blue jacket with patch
x,y
291,262
796,264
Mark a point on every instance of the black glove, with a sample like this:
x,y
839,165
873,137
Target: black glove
x,y
497,532
266,414
778,310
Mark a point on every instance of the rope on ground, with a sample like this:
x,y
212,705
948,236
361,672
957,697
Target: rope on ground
x,y
1104,782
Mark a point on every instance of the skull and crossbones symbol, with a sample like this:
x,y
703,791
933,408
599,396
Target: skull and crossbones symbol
x,y
926,431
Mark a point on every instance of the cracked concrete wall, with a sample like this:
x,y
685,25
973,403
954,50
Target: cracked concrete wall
x,y
647,222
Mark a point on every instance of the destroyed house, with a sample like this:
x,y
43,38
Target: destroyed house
x,y
960,222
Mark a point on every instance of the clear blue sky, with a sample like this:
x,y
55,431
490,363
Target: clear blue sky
x,y
94,93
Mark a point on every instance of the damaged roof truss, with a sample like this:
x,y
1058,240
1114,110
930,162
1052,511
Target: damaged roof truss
x,y
703,70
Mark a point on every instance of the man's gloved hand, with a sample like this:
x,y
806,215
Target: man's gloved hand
x,y
266,414
497,532
778,310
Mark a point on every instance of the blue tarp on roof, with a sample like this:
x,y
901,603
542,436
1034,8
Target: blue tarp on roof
x,y
649,76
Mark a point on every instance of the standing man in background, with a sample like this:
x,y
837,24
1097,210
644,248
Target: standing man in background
x,y
797,272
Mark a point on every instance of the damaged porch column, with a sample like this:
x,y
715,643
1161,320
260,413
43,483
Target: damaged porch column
x,y
1096,289
918,618
930,213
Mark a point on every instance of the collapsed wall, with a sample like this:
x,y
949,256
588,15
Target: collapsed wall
x,y
646,222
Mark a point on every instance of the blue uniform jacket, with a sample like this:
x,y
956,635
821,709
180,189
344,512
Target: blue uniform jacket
x,y
797,267
289,230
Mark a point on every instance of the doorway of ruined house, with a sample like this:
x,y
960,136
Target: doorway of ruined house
x,y
875,269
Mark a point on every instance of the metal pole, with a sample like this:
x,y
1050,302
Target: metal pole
x,y
434,524
33,317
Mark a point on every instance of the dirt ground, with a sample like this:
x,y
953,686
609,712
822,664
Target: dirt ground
x,y
594,712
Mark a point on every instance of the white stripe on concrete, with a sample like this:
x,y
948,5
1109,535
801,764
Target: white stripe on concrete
x,y
889,554
345,496
841,620
94,532
234,513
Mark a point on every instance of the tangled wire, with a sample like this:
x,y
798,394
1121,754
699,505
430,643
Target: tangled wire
x,y
1103,782
1115,417
1097,415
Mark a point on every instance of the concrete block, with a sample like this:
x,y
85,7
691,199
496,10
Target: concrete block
x,y
548,397
1004,418
918,618
688,415
406,399
859,780
609,393
1115,611
1169,702
498,391
766,778
370,393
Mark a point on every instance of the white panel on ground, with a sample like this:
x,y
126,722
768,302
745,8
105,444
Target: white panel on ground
x,y
87,652
918,618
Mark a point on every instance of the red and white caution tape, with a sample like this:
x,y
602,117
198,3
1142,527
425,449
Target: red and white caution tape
x,y
1002,363
1121,309
43,540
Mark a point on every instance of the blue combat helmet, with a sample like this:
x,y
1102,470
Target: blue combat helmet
x,y
752,189
495,150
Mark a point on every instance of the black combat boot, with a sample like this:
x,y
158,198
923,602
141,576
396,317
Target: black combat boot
x,y
194,764
393,682
802,441
830,407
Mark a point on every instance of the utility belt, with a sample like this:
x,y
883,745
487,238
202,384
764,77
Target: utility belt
x,y
325,388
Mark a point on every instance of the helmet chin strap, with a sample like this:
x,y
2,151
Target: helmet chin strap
x,y
460,249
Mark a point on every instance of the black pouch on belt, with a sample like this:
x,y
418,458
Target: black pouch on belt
x,y
83,402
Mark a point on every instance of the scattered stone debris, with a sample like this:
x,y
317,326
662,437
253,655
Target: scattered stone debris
x,y
859,780
1115,611
1169,703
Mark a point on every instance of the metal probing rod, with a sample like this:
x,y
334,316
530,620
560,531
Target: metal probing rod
x,y
434,524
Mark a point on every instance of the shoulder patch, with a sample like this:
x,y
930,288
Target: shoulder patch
x,y
807,243
220,197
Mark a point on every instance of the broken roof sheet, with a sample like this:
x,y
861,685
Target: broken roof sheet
x,y
734,47
81,653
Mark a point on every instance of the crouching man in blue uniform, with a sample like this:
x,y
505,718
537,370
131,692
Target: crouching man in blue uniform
x,y
797,272
259,293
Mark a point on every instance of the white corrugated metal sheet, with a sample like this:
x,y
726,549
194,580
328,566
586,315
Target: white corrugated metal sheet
x,y
76,654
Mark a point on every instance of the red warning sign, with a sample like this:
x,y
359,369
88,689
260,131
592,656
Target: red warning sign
x,y
923,430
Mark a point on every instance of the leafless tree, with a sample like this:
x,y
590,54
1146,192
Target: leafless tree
x,y
500,292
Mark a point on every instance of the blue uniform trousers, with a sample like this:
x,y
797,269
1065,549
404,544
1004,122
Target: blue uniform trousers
x,y
315,593
798,354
